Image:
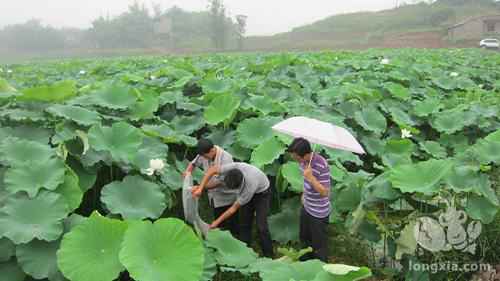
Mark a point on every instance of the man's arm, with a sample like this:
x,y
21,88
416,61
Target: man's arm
x,y
316,184
227,214
212,171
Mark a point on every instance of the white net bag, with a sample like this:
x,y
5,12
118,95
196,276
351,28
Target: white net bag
x,y
190,204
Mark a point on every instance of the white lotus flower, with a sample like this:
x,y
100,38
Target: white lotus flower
x,y
83,72
453,74
405,134
9,71
385,61
481,86
152,77
156,164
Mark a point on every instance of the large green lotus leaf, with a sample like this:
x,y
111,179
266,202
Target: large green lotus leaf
x,y
284,226
239,152
18,151
22,115
450,121
89,252
372,144
487,151
494,137
210,266
213,86
421,177
293,175
401,118
445,82
77,114
434,149
347,199
222,138
398,152
38,259
427,107
149,255
186,125
171,97
23,219
7,249
371,119
484,187
144,108
86,176
275,270
265,105
114,96
398,91
221,109
342,272
53,93
480,208
230,251
6,87
406,243
267,152
465,179
151,148
343,156
11,271
382,188
254,131
172,178
168,135
27,133
121,140
33,176
70,190
134,198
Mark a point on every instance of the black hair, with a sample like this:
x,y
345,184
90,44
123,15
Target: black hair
x,y
233,179
300,146
204,146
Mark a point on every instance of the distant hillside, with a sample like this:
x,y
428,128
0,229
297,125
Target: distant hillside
x,y
378,29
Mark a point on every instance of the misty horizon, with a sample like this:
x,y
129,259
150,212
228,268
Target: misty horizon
x,y
264,17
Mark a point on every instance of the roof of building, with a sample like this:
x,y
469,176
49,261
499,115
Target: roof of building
x,y
473,19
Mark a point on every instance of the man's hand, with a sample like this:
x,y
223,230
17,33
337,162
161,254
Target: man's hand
x,y
196,191
308,174
213,225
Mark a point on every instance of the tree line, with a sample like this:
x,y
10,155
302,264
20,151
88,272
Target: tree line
x,y
138,27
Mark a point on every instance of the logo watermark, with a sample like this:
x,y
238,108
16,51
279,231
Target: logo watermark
x,y
450,267
449,232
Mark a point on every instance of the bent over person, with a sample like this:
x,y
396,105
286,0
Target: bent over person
x,y
254,199
220,197
314,217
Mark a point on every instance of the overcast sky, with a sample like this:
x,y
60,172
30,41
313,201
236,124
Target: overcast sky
x,y
264,16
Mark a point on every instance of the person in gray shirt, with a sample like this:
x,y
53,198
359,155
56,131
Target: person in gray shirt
x,y
254,199
220,197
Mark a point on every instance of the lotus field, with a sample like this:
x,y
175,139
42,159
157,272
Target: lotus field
x,y
92,151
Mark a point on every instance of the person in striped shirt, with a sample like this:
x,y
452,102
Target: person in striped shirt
x,y
314,217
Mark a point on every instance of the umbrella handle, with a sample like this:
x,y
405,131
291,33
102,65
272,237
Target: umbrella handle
x,y
312,155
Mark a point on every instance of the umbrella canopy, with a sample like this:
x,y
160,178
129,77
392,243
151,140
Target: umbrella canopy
x,y
319,132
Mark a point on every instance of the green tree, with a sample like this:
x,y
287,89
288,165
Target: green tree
x,y
241,21
218,23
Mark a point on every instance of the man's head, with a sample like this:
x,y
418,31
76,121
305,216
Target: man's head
x,y
233,179
299,148
206,149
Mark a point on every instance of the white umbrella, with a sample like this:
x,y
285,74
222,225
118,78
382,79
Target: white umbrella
x,y
319,132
